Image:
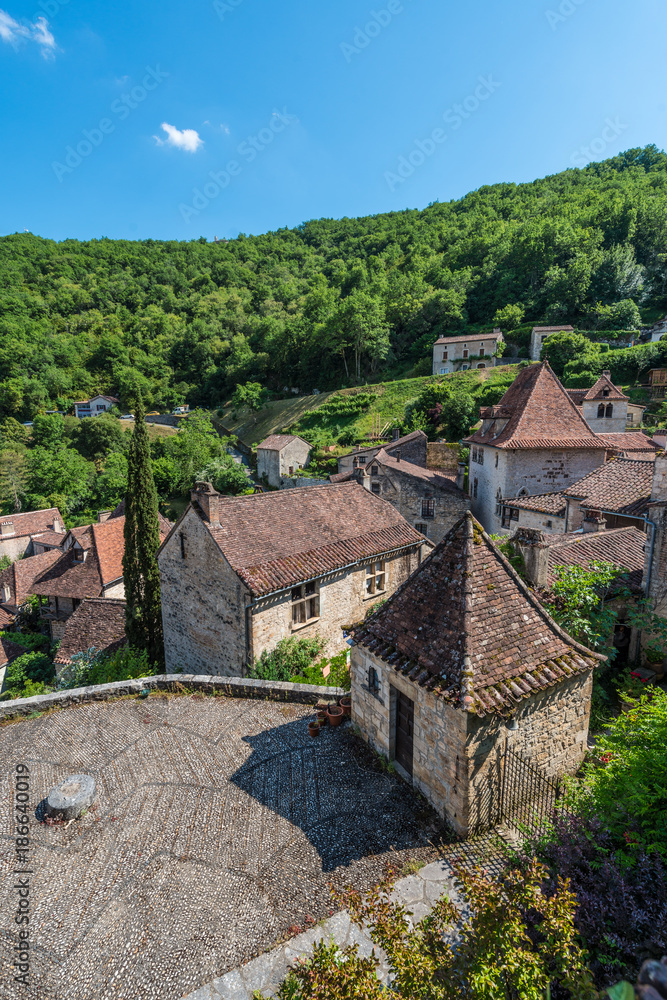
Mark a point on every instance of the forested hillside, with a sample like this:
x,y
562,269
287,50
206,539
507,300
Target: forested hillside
x,y
330,303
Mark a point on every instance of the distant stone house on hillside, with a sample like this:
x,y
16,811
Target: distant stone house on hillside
x,y
95,406
540,334
428,500
462,663
453,354
91,565
533,441
281,456
411,448
20,533
238,574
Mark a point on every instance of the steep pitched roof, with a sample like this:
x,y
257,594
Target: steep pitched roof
x,y
535,412
276,540
622,486
54,539
104,544
23,574
466,627
624,547
436,479
99,623
10,651
544,503
276,442
32,522
6,619
604,388
389,446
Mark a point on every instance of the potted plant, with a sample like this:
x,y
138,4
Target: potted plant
x,y
314,728
346,704
322,716
335,714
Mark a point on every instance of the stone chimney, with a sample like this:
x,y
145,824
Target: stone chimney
x,y
659,489
102,516
396,433
530,543
594,521
461,475
208,501
58,526
6,528
397,455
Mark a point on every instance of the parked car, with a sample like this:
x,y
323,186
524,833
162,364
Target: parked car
x,y
153,413
127,416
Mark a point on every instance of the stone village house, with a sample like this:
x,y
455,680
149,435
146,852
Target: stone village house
x,y
238,574
280,456
462,661
21,533
453,354
412,447
428,500
533,441
541,333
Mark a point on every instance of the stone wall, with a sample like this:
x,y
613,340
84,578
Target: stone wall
x,y
441,456
203,604
606,425
300,482
343,601
534,470
457,756
167,419
414,451
536,520
406,493
274,465
14,547
229,687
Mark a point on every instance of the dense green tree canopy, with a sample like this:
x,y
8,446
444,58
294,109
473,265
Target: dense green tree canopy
x,y
329,301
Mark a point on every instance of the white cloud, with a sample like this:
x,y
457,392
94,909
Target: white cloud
x,y
188,139
225,129
13,33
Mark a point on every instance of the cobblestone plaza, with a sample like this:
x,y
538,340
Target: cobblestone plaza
x,y
218,828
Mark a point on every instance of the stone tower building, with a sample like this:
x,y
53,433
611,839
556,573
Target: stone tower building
x,y
533,441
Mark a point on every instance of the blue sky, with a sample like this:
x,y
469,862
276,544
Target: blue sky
x,y
175,120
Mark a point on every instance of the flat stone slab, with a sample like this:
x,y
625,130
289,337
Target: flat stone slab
x,y
71,797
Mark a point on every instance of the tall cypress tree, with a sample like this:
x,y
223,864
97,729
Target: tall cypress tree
x,y
143,615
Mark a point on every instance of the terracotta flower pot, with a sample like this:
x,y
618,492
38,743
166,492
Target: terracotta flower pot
x,y
314,729
335,715
346,704
322,717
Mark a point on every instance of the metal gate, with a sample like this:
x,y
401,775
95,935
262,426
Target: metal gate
x,y
529,799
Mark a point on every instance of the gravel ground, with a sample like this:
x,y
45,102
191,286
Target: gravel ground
x,y
218,829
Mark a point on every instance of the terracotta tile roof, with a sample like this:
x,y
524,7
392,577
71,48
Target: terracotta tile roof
x,y
545,503
624,547
469,338
97,623
553,329
604,385
6,619
432,476
577,395
635,441
622,486
10,651
389,446
276,442
466,627
22,575
51,538
535,412
342,477
104,544
31,522
276,540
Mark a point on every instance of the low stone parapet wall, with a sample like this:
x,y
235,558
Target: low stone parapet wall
x,y
231,687
168,419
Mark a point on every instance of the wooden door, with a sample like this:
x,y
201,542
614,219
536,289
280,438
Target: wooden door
x,y
405,716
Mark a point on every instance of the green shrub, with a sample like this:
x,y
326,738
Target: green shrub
x,y
28,675
91,667
339,675
290,657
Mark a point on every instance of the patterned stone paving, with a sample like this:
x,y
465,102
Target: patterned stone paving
x,y
219,825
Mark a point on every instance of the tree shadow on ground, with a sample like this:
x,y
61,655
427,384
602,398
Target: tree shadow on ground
x,y
336,792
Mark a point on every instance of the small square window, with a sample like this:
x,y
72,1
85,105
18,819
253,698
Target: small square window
x,y
375,488
373,681
428,508
375,578
305,603
374,470
422,528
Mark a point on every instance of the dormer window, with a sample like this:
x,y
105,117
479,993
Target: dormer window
x,y
6,593
79,554
605,392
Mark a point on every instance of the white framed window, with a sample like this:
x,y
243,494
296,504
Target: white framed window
x,y
376,578
305,604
